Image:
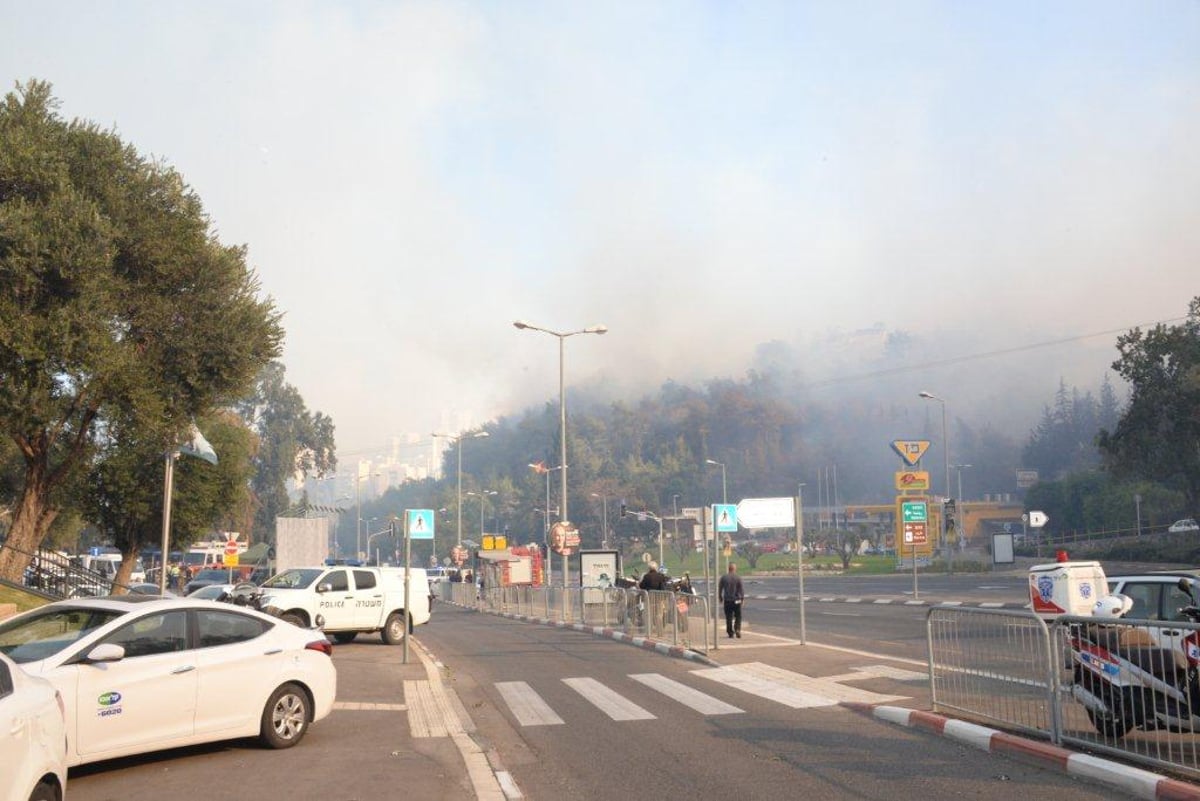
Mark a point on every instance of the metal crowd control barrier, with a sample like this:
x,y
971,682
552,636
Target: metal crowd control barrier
x,y
1029,674
992,664
678,618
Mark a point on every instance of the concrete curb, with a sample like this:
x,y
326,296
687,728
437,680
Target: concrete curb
x,y
850,599
1139,783
666,649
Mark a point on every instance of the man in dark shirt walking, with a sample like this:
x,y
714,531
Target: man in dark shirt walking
x,y
730,593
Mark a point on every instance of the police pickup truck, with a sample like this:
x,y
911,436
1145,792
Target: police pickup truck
x,y
345,600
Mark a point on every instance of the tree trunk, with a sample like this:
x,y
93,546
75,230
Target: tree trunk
x,y
129,556
31,522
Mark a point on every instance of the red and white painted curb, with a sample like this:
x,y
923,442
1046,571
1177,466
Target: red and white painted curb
x,y
1139,783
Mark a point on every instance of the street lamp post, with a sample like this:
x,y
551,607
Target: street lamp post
x,y
675,517
562,409
800,553
358,519
724,499
457,440
546,471
604,518
946,462
958,468
483,496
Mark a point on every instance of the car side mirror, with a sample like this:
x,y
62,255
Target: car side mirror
x,y
325,587
106,652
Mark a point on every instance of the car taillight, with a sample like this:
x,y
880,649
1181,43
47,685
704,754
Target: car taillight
x,y
324,646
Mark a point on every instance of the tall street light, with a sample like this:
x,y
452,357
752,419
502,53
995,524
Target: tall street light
x,y
958,468
358,519
924,395
538,467
457,440
604,519
715,463
724,499
562,416
483,496
562,398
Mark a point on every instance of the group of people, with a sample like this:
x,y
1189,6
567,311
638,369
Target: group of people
x,y
730,593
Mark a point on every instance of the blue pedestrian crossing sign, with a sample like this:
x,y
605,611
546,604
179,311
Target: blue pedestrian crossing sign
x,y
725,517
420,524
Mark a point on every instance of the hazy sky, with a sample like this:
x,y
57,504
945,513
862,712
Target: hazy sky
x,y
700,177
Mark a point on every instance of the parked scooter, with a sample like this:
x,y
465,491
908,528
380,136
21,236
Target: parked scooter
x,y
1126,681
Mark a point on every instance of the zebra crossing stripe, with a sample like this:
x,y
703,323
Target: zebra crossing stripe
x,y
607,701
765,688
689,697
526,705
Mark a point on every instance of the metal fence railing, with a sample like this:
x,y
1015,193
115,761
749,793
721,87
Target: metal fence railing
x,y
992,664
674,617
59,575
1121,687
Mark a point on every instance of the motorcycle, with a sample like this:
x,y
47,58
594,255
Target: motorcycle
x,y
1126,681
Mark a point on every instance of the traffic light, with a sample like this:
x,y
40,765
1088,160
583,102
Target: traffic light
x,y
623,508
950,514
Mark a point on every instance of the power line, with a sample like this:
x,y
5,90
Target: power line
x,y
985,355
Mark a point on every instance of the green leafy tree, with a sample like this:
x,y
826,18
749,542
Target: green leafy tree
x,y
292,442
125,489
1158,436
119,304
751,551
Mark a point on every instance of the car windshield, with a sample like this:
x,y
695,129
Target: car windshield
x,y
212,575
296,579
46,632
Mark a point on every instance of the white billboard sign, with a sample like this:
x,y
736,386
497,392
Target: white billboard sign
x,y
766,513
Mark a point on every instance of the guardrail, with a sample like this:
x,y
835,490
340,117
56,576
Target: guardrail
x,y
1040,677
676,617
58,576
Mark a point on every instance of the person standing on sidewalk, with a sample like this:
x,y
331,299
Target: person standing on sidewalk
x,y
731,594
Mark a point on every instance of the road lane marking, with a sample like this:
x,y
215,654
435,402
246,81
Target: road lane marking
x,y
610,703
740,679
526,705
364,706
688,696
828,690
878,672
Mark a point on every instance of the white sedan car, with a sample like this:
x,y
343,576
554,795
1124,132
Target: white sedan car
x,y
143,673
33,737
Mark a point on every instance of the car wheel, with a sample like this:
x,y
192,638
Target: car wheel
x,y
293,618
393,630
344,636
45,791
285,717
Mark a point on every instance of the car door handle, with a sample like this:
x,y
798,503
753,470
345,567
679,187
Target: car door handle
x,y
184,669
1172,632
273,651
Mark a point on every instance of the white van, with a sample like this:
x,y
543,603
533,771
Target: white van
x,y
107,564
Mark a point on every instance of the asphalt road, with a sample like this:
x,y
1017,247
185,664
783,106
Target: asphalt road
x,y
570,715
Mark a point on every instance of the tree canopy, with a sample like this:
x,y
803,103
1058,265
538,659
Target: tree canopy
x,y
1158,437
121,309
